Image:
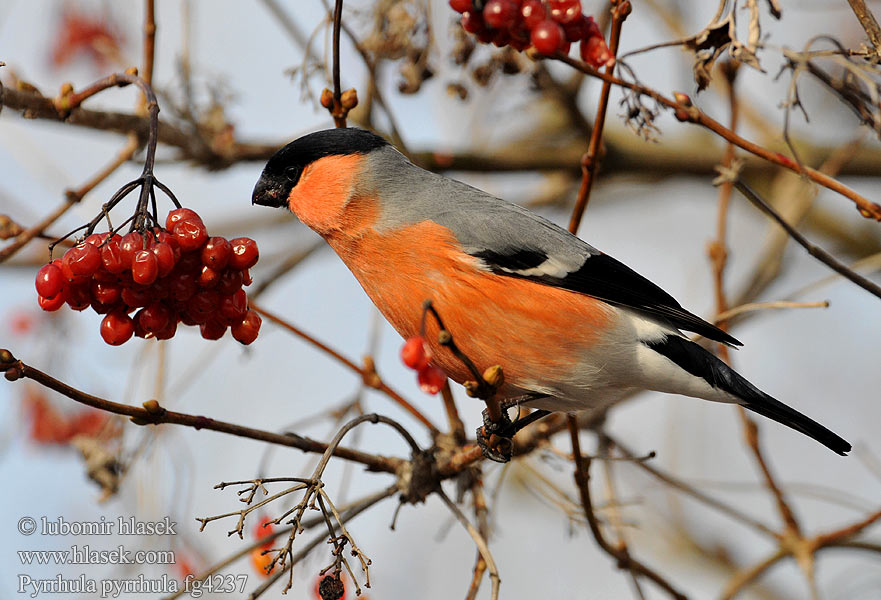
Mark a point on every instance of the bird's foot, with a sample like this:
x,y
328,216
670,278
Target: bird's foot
x,y
495,438
491,437
495,447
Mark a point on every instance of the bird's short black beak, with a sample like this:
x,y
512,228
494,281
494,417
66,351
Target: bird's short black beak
x,y
267,192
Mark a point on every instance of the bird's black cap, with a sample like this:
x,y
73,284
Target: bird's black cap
x,y
283,170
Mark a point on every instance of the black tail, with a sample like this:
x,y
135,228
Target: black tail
x,y
774,409
703,364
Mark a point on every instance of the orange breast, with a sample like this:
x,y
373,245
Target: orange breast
x,y
534,331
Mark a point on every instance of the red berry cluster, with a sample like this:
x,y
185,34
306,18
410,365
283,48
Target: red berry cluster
x,y
547,25
170,276
416,355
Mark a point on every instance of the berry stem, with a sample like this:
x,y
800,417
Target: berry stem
x,y
147,181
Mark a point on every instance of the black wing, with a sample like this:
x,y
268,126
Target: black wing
x,y
607,279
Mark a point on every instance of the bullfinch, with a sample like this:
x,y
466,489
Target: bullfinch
x,y
572,327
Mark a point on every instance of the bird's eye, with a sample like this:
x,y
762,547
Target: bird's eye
x,y
292,173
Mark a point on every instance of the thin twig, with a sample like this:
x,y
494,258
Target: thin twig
x,y
814,250
149,48
155,415
750,574
622,557
693,114
675,483
479,541
757,306
590,161
868,21
339,121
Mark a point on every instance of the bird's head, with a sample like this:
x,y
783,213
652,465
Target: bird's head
x,y
316,176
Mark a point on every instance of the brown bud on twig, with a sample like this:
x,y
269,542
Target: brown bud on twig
x,y
6,357
369,375
349,99
494,376
472,388
327,99
682,99
13,374
133,71
152,407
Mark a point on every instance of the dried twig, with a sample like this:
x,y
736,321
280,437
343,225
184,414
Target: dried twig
x,y
622,556
590,161
153,414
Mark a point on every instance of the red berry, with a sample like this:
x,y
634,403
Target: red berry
x,y
161,288
244,253
216,253
145,267
547,37
128,245
230,281
565,11
501,38
190,262
461,6
181,214
182,286
168,332
472,22
595,52
107,294
154,318
78,296
213,329
111,256
415,353
246,331
208,278
190,234
576,30
187,319
51,304
203,305
49,281
94,239
135,296
67,273
431,379
591,28
83,259
117,328
533,12
165,259
234,307
500,14
102,309
264,529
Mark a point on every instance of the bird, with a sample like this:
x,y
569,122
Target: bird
x,y
572,328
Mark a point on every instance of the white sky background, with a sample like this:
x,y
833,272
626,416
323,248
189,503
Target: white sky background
x,y
822,362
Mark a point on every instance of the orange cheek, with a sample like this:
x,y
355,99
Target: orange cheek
x,y
321,194
530,329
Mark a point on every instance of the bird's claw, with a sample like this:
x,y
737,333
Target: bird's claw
x,y
492,437
495,447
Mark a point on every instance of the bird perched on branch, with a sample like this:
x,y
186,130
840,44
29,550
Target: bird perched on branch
x,y
572,327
